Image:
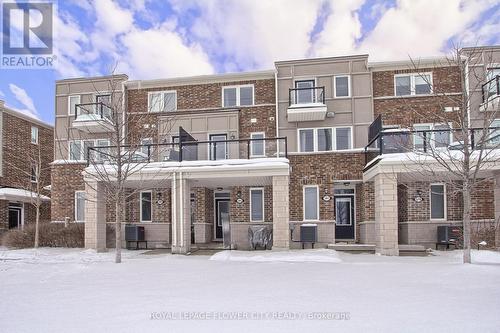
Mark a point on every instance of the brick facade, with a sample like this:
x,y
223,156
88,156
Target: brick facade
x,y
17,155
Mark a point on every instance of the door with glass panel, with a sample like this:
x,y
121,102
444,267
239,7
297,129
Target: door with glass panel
x,y
344,216
105,107
305,92
218,150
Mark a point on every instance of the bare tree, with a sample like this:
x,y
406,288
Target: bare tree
x,y
35,177
461,147
123,150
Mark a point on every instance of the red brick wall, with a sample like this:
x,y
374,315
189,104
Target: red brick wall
x,y
241,212
66,179
322,170
365,202
407,111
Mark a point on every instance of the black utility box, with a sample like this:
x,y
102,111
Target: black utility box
x,y
447,234
309,233
134,233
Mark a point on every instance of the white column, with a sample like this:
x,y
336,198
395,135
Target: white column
x,y
95,217
386,214
181,215
281,228
496,197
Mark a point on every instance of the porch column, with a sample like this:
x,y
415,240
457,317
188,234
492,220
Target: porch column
x,y
497,210
386,214
95,217
181,215
281,229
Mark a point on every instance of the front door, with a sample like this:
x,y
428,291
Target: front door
x,y
344,217
15,217
221,218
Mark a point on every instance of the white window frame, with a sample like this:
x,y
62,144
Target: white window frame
x,y
304,202
70,111
140,206
143,143
315,139
162,101
412,83
36,136
83,157
445,208
263,201
226,146
75,200
238,101
315,90
263,144
348,86
433,134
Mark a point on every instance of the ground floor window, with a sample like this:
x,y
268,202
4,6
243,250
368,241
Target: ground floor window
x,y
146,206
257,204
80,206
311,202
438,201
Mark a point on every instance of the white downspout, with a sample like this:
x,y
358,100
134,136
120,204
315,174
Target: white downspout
x,y
276,110
181,199
174,210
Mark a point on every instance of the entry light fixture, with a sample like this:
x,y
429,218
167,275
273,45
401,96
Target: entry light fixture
x,y
347,184
219,188
418,196
239,199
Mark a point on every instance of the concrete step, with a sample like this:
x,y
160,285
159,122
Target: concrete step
x,y
412,250
353,248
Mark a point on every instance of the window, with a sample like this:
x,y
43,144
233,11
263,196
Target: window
x,y
75,150
256,204
311,203
438,202
103,150
432,139
238,96
144,145
490,89
34,135
343,138
305,92
73,101
494,135
257,148
146,206
162,101
218,150
412,84
306,140
342,86
34,172
79,149
325,139
80,206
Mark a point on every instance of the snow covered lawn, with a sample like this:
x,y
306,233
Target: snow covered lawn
x,y
70,290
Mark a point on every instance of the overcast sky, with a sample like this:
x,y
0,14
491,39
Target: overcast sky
x,y
158,39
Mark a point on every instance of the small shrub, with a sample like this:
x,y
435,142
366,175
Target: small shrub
x,y
50,235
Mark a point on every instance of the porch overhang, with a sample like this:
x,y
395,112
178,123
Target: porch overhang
x,y
219,173
20,195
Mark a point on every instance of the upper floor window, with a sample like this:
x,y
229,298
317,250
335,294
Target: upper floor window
x,y
73,101
103,105
342,86
412,84
160,101
305,92
238,95
325,139
257,147
78,149
433,138
34,135
34,172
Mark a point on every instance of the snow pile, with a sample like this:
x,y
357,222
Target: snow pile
x,y
319,255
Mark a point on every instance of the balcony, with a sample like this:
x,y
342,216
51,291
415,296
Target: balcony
x,y
306,104
194,153
93,118
491,94
441,141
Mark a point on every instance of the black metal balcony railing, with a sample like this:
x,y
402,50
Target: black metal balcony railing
x,y
191,151
100,109
491,88
428,141
310,95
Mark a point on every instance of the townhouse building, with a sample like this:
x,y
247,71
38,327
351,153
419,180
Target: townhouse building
x,y
311,142
26,149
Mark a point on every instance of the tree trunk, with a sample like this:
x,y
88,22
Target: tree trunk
x,y
37,226
118,230
466,224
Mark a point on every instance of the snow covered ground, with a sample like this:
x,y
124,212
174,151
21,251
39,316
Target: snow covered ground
x,y
70,290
